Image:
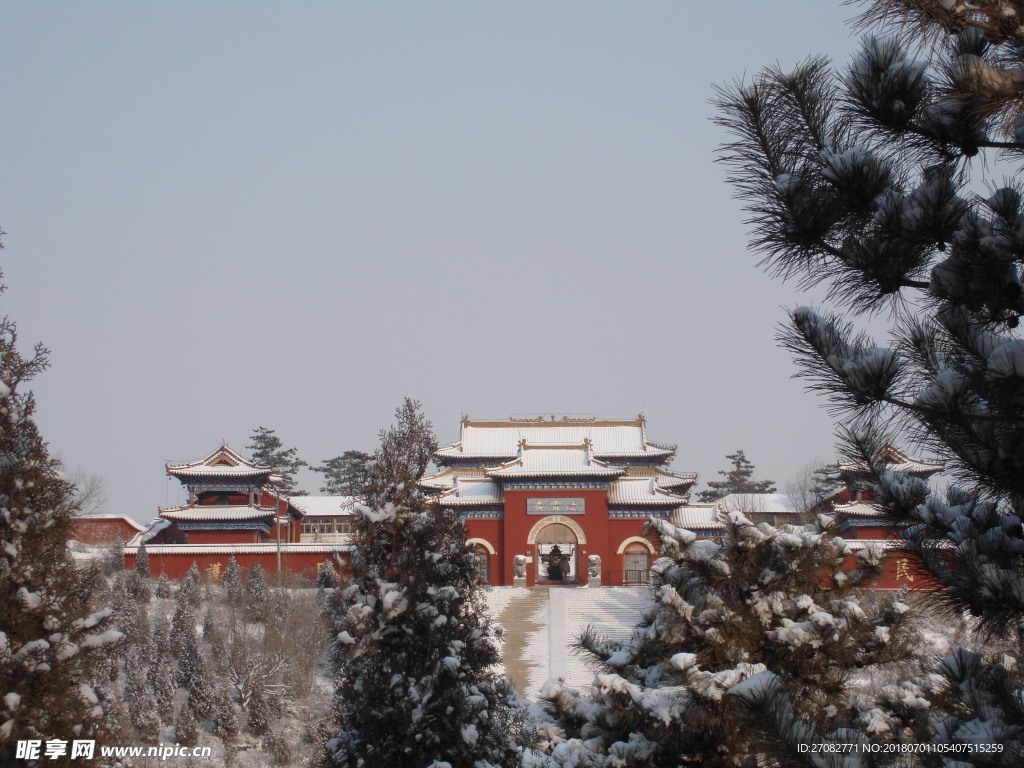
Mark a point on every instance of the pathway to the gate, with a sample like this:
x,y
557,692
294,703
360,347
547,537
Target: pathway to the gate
x,y
541,624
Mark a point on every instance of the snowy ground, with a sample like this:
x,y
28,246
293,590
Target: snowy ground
x,y
551,619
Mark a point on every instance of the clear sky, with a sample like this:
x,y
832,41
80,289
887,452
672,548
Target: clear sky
x,y
228,214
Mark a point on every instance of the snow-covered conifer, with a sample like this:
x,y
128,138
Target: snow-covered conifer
x,y
259,713
257,594
232,581
779,602
141,566
866,180
201,693
413,634
163,586
183,624
52,634
327,577
189,590
114,561
162,674
225,721
186,727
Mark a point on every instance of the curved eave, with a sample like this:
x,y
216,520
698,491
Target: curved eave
x,y
517,473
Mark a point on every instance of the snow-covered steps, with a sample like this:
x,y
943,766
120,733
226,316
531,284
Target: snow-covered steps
x,y
542,623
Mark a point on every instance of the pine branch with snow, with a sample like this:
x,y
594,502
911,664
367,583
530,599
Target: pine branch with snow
x,y
53,638
765,603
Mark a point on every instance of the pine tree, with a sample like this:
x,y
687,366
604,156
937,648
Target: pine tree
x,y
184,622
162,673
268,451
114,561
52,637
864,181
415,649
186,728
345,475
189,591
163,586
257,595
225,721
232,581
739,479
327,577
260,712
140,701
765,606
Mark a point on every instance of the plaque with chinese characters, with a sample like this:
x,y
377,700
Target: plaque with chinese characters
x,y
570,506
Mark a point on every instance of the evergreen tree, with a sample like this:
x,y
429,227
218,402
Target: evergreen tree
x,y
225,721
739,479
345,475
140,701
863,180
162,673
142,563
765,606
268,451
184,622
52,637
200,692
257,594
186,728
232,581
327,577
163,586
114,561
188,591
415,650
260,712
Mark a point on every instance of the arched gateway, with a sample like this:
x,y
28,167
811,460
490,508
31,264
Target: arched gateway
x,y
556,542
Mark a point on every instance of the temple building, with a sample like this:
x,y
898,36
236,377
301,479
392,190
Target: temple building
x,y
562,500
233,509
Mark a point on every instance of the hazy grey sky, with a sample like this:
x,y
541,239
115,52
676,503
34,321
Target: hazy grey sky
x,y
228,214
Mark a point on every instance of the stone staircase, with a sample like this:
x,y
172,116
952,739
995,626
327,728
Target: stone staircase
x,y
541,624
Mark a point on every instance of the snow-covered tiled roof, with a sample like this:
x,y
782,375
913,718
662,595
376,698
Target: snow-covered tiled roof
x,y
642,491
99,517
556,460
698,517
857,509
446,478
758,503
148,532
240,549
470,491
898,461
223,462
500,439
216,512
324,506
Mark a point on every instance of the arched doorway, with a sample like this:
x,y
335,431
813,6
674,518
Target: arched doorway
x,y
636,564
557,550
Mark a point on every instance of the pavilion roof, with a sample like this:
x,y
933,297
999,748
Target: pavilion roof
x,y
642,491
469,491
897,461
324,506
216,512
758,503
858,509
556,460
223,462
610,438
698,517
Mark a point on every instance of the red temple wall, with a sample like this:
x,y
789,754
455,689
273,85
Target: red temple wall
x,y
99,531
